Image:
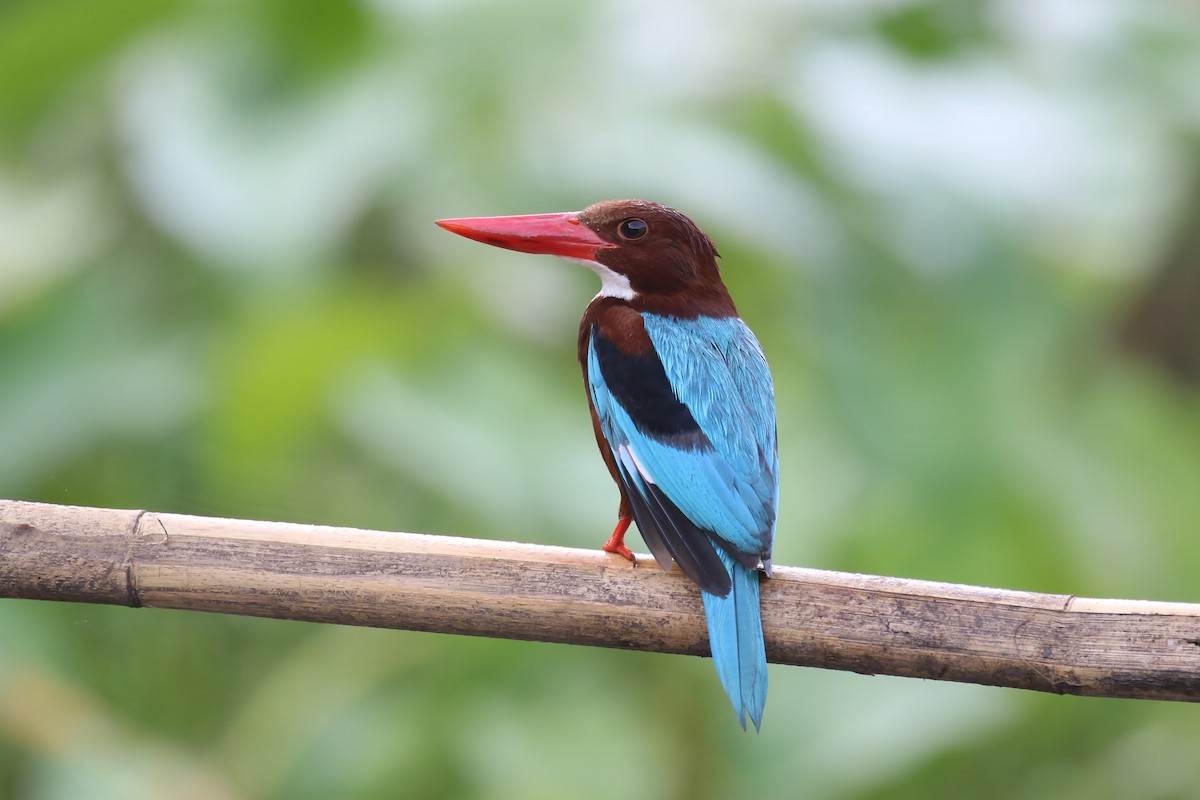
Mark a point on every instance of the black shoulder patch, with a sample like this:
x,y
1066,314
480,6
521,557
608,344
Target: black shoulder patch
x,y
639,383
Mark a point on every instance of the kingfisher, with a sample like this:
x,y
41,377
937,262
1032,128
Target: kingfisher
x,y
682,405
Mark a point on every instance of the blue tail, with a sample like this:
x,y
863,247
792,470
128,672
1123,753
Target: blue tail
x,y
735,635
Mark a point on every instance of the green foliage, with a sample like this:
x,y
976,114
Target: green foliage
x,y
934,30
50,52
221,292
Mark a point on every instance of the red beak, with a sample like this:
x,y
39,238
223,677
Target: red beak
x,y
548,234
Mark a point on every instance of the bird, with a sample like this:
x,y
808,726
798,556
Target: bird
x,y
682,405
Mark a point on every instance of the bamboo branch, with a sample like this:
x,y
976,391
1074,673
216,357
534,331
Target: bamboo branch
x,y
861,623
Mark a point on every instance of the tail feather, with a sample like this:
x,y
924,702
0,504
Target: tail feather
x,y
736,638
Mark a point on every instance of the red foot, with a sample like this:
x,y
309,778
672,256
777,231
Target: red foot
x,y
616,542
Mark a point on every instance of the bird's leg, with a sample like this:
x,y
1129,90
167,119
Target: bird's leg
x,y
616,542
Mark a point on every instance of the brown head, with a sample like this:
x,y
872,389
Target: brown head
x,y
645,253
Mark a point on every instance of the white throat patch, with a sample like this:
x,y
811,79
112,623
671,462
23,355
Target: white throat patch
x,y
612,284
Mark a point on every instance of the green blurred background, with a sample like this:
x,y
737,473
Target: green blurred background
x,y
967,234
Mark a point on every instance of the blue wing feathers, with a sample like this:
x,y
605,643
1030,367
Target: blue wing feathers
x,y
668,533
703,496
717,369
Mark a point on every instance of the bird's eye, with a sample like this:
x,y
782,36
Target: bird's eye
x,y
632,228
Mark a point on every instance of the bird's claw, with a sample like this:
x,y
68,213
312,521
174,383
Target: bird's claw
x,y
621,550
616,542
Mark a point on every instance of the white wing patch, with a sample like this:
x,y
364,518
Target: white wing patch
x,y
632,462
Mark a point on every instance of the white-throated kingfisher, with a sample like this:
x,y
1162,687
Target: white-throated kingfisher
x,y
683,408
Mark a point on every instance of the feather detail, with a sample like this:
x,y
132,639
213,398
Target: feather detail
x,y
668,532
736,638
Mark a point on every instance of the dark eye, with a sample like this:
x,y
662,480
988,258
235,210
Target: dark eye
x,y
632,228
